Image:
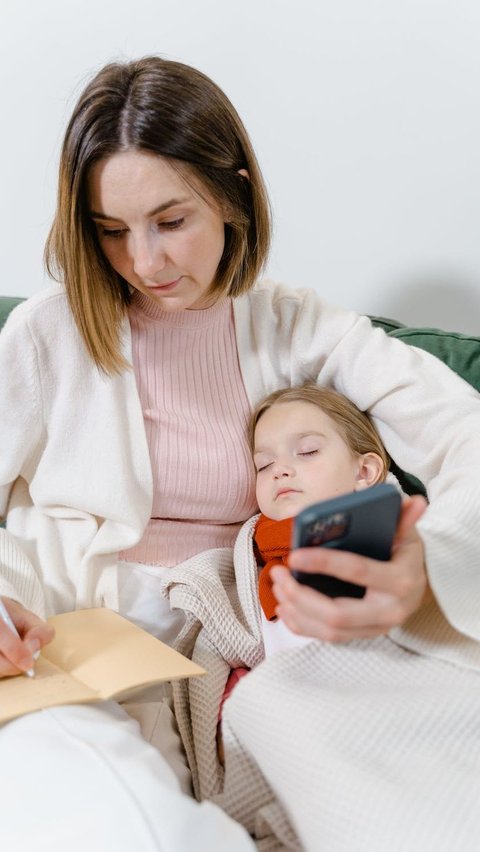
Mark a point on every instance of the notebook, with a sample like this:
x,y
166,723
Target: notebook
x,y
96,654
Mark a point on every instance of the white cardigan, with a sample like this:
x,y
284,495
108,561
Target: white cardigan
x,y
75,472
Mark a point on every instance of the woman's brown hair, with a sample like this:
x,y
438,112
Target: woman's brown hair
x,y
170,109
354,425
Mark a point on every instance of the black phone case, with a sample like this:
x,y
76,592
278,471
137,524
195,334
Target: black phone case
x,y
363,522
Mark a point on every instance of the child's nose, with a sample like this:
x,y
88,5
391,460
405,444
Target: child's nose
x,y
281,469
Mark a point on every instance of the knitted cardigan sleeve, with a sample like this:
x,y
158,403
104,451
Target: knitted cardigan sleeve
x,y
21,427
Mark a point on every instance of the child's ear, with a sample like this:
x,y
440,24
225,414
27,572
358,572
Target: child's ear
x,y
369,471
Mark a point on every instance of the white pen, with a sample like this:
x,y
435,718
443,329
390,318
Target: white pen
x,y
4,615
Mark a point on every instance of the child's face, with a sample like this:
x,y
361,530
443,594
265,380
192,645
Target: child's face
x,y
301,458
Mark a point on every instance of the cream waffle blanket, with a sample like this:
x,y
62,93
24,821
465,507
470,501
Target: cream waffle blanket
x,y
363,747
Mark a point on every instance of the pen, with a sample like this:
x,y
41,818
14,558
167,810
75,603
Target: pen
x,y
4,615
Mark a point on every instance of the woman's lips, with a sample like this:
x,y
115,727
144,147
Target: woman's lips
x,y
162,288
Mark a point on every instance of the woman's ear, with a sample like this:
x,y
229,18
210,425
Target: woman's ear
x,y
370,470
244,173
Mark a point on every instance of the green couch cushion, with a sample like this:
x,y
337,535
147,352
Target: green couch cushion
x,y
461,352
7,304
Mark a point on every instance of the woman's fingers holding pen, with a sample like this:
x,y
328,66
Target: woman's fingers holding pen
x,y
29,625
17,652
15,655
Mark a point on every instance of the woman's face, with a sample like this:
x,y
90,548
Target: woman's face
x,y
155,230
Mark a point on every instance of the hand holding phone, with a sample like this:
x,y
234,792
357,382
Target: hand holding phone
x,y
362,522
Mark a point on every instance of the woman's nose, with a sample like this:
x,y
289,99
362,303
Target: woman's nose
x,y
148,257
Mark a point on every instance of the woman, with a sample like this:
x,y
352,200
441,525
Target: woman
x,y
110,475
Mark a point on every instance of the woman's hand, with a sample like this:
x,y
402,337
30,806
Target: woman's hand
x,y
395,589
16,652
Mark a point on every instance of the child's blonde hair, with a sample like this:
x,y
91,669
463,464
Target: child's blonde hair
x,y
354,425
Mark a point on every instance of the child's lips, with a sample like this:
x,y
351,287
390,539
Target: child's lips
x,y
283,491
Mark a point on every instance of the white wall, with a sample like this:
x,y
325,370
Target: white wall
x,y
365,115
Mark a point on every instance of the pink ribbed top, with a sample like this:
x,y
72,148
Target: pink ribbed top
x,y
195,410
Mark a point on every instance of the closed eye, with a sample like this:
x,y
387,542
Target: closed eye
x,y
309,453
113,233
117,233
264,467
173,225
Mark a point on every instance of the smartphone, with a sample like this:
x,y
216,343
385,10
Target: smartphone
x,y
362,522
